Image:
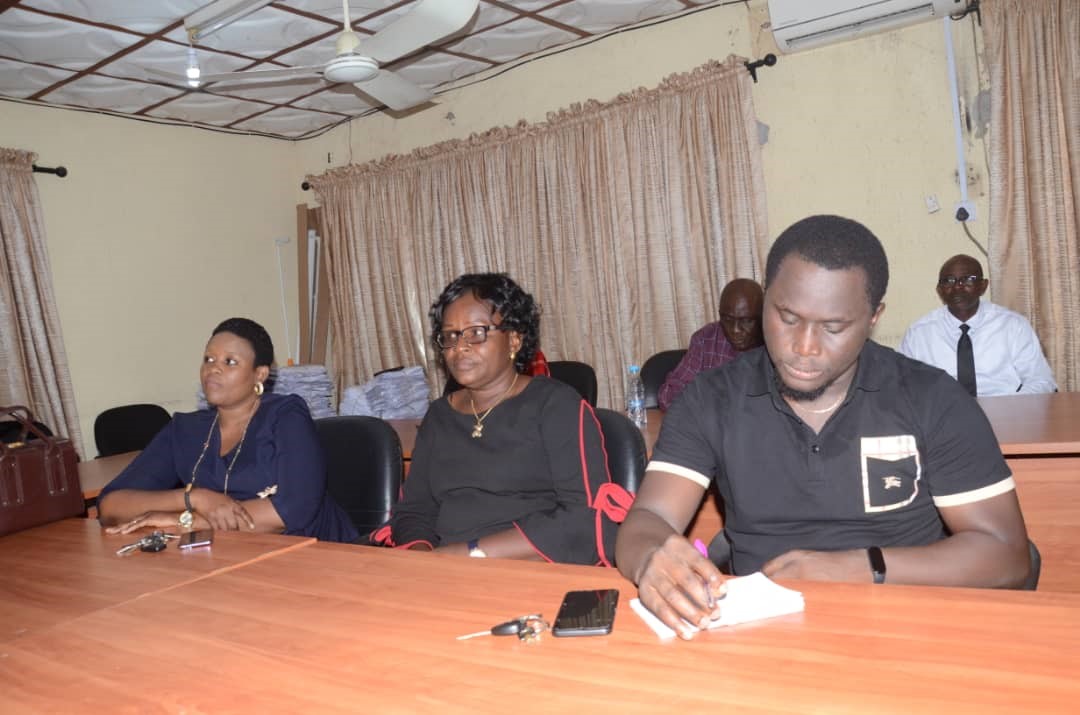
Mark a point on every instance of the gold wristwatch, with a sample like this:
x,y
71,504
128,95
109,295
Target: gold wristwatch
x,y
187,516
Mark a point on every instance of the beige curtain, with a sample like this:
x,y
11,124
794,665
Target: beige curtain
x,y
34,369
625,219
1033,49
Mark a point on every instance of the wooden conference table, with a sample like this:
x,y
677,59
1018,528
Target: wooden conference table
x,y
334,628
1039,435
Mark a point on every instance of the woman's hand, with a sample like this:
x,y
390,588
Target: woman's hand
x,y
223,512
152,519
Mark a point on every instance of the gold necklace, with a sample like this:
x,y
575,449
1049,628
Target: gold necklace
x,y
239,446
478,428
826,410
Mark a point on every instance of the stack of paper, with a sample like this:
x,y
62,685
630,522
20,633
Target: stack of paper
x,y
749,598
311,382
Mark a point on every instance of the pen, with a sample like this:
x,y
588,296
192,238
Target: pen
x,y
704,551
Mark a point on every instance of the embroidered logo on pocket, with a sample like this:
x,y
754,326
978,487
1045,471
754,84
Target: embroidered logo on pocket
x,y
891,471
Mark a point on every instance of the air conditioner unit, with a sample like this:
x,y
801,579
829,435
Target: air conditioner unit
x,y
802,24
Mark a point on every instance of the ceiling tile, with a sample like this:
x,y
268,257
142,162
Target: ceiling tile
x,y
107,93
169,57
262,33
148,17
18,79
434,68
597,16
207,108
288,122
512,40
279,92
32,37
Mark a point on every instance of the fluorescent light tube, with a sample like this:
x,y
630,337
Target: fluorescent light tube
x,y
219,14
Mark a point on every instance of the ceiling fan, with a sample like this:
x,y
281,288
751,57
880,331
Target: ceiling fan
x,y
359,60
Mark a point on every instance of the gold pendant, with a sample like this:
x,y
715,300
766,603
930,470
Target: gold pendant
x,y
477,431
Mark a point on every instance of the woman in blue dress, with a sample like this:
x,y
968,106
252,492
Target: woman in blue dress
x,y
251,462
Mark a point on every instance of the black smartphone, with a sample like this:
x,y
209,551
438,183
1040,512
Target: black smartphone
x,y
586,613
195,539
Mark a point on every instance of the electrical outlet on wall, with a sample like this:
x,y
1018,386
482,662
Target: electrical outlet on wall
x,y
932,205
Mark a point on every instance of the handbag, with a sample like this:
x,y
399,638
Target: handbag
x,y
39,478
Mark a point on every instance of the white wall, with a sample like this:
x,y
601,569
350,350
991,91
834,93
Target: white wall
x,y
157,234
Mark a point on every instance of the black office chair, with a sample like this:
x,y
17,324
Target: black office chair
x,y
577,375
655,371
625,449
363,467
1032,581
128,428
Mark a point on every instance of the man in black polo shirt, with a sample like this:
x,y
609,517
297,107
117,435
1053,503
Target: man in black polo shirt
x,y
837,459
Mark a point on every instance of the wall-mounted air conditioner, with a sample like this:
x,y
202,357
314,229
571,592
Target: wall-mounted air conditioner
x,y
802,24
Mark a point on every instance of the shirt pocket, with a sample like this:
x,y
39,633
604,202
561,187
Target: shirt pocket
x,y
891,472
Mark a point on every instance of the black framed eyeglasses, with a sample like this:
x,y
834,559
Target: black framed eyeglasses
x,y
951,281
473,335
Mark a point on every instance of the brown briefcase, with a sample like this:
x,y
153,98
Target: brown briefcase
x,y
39,478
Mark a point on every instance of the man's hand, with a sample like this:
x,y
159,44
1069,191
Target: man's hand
x,y
681,586
852,566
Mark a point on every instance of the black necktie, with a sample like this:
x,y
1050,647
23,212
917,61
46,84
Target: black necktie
x,y
965,361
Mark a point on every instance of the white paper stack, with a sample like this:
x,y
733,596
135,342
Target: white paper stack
x,y
395,395
749,598
311,382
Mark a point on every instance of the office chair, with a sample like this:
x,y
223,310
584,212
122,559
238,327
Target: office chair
x,y
655,371
625,449
577,375
363,467
128,428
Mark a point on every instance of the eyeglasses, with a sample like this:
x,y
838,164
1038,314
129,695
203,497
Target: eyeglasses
x,y
473,335
951,281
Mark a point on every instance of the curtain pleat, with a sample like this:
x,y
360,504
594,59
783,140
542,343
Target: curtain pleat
x,y
34,368
624,219
1033,50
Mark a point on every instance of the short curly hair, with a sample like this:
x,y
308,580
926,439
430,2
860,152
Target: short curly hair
x,y
252,332
834,243
518,309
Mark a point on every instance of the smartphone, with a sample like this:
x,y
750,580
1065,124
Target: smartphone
x,y
586,613
195,539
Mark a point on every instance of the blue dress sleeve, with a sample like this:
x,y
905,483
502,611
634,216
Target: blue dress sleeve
x,y
296,465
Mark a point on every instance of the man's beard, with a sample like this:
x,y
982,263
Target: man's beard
x,y
790,392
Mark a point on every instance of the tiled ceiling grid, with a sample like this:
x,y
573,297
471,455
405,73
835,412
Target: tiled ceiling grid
x,y
101,54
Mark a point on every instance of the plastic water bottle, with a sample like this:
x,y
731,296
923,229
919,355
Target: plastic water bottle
x,y
635,397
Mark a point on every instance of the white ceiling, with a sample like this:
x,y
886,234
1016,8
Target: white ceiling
x,y
96,54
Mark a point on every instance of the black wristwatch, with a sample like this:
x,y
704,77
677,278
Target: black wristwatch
x,y
877,563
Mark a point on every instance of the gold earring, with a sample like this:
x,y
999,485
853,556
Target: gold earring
x,y
512,355
259,388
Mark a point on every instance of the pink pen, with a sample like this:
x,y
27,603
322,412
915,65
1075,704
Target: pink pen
x,y
704,551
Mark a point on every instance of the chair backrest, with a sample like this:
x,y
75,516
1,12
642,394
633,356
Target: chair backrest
x,y
577,375
128,428
11,431
625,449
655,371
363,467
1032,581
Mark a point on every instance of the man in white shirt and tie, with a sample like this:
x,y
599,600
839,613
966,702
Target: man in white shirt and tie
x,y
989,349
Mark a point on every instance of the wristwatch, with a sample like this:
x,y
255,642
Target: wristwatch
x,y
187,516
475,551
877,563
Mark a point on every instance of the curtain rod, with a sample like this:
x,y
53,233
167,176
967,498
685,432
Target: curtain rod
x,y
752,67
59,170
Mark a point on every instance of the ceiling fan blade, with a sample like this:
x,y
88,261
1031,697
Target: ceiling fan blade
x,y
279,73
394,91
429,21
175,79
